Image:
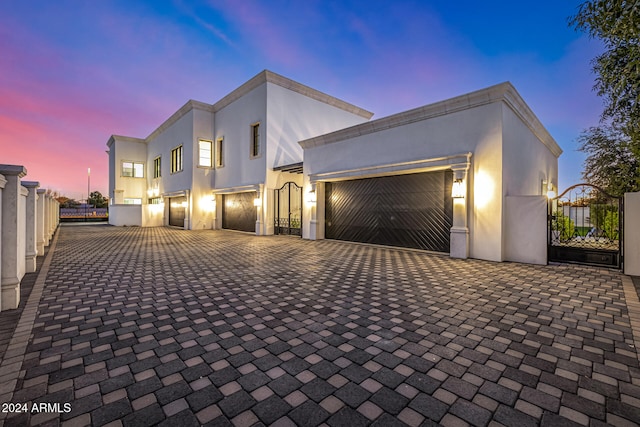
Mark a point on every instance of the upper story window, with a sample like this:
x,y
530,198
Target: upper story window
x,y
133,169
219,152
205,153
156,167
255,140
176,159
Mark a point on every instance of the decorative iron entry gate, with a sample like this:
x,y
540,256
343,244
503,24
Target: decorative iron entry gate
x,y
585,227
288,210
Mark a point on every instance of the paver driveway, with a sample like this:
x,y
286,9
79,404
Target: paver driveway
x,y
145,326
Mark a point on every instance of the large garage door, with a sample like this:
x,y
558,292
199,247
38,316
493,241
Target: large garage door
x,y
177,208
412,211
238,211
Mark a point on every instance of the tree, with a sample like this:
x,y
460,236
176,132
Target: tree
x,y
611,163
66,202
97,200
617,24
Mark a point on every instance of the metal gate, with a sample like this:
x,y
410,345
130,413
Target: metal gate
x,y
288,210
586,227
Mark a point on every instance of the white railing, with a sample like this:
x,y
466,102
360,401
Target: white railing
x,y
28,220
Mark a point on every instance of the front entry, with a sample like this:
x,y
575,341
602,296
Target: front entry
x,y
585,227
177,209
288,210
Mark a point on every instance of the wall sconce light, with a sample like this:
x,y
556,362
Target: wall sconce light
x,y
547,188
458,189
257,202
311,196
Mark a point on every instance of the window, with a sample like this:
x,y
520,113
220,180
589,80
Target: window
x,y
133,169
219,153
255,140
176,159
204,157
155,201
131,201
156,167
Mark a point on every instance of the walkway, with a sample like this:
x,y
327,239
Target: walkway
x,y
159,326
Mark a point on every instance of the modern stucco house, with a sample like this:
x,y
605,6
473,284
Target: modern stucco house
x,y
466,176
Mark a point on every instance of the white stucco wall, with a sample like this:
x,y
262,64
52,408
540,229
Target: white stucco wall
x,y
125,215
202,215
527,161
126,149
632,234
525,229
233,123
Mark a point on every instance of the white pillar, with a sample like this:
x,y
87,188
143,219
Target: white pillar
x,y
13,235
459,234
3,182
40,239
31,225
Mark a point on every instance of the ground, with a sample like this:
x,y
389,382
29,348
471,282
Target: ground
x,y
160,326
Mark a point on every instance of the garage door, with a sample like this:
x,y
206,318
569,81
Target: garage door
x,y
413,211
238,211
177,208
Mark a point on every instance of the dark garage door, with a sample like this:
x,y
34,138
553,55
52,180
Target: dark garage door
x,y
238,211
413,211
177,210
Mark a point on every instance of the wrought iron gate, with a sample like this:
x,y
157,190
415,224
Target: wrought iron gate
x,y
586,227
288,210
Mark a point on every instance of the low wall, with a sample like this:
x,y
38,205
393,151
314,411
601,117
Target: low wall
x,y
125,215
136,215
525,230
632,234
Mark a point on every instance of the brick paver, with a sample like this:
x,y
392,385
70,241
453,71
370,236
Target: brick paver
x,y
160,326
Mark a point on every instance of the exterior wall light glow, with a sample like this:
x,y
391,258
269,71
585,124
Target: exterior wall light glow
x,y
257,202
458,189
311,196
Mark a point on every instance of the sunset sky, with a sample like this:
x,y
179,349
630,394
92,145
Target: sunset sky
x,y
72,73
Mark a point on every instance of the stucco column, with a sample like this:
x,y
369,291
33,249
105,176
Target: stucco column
x,y
40,242
259,210
46,218
13,235
31,225
459,235
3,182
312,201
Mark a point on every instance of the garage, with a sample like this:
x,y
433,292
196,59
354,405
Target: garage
x,y
238,211
177,209
413,210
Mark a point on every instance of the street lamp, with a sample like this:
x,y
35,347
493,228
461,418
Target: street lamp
x,y
86,206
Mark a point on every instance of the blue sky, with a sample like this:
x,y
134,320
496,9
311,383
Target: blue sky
x,y
72,73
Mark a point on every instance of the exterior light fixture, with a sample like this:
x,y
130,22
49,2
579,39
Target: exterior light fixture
x,y
257,202
458,190
547,188
311,196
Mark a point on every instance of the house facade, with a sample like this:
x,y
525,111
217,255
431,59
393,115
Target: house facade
x,y
467,176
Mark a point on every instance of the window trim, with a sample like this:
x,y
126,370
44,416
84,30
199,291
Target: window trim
x,y
210,142
133,169
218,157
255,151
157,167
176,168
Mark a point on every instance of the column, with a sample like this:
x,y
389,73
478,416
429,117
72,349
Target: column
x,y
3,182
459,243
13,235
31,225
40,238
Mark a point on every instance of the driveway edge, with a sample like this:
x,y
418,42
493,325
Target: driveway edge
x,y
633,305
14,356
